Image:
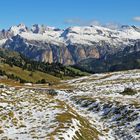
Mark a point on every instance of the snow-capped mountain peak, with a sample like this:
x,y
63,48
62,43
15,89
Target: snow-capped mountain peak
x,y
18,29
77,34
36,28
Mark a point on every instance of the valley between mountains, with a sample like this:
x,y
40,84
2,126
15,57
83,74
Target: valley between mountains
x,y
95,107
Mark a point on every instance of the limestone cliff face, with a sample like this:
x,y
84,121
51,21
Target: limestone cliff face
x,y
81,53
93,53
66,57
47,56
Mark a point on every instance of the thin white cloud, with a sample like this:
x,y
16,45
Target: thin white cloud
x,y
137,18
81,22
73,21
112,25
94,22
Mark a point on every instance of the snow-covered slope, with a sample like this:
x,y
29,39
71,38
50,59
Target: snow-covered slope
x,y
2,41
88,35
110,101
95,107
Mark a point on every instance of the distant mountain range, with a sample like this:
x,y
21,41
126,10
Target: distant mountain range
x,y
74,45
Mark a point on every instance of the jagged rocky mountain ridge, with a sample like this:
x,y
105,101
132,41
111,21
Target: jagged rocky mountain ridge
x,y
71,45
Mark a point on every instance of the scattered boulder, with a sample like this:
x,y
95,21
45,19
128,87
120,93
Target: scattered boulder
x,y
52,92
85,103
137,128
2,86
129,91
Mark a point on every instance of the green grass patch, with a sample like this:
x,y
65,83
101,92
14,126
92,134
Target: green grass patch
x,y
26,75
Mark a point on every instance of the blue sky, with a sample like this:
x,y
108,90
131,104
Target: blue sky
x,y
64,13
